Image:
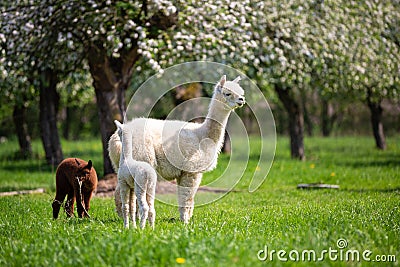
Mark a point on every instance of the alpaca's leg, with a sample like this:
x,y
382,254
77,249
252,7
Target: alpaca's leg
x,y
124,193
62,189
137,209
87,196
69,204
132,207
58,200
143,206
188,185
150,201
117,200
78,196
118,203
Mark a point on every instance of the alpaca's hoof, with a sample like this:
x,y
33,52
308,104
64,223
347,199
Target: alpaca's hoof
x,y
185,218
184,214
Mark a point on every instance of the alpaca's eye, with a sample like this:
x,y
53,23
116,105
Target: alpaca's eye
x,y
227,94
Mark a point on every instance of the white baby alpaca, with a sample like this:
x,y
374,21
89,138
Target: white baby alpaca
x,y
136,179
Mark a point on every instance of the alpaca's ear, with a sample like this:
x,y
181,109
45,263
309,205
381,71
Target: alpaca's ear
x,y
222,81
118,124
237,80
77,162
89,165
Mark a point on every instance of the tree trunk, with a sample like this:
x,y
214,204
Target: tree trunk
x,y
376,121
109,110
67,123
24,139
248,119
306,115
296,122
48,104
111,78
227,146
328,118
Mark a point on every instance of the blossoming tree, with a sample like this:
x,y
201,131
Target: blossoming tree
x,y
112,37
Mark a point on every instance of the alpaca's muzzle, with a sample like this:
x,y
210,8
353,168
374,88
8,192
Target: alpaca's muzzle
x,y
241,101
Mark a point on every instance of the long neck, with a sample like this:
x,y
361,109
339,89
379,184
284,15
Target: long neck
x,y
216,120
126,152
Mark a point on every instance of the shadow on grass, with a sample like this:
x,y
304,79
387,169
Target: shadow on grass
x,y
373,190
37,164
18,156
170,220
31,167
387,161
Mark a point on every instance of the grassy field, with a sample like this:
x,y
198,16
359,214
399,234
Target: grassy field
x,y
275,223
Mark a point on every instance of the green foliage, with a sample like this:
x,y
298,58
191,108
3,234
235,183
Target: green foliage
x,y
229,232
344,49
374,58
76,90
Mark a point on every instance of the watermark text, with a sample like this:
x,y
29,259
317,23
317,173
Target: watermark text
x,y
337,253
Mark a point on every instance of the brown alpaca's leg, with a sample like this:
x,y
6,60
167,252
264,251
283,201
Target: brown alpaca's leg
x,y
69,204
78,196
79,205
87,196
62,188
58,200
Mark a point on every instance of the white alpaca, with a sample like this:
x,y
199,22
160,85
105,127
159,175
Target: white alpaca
x,y
115,148
114,152
136,179
182,150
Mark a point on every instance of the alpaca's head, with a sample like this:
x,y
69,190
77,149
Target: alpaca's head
x,y
83,172
230,93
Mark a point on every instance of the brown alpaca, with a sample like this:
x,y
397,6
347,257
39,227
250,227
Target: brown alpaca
x,y
77,179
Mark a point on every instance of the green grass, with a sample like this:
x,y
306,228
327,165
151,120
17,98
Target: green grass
x,y
229,232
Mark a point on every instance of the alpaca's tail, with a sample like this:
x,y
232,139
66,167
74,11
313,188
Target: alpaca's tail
x,y
114,150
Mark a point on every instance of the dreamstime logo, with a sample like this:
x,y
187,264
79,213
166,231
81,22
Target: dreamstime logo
x,y
338,253
260,144
341,243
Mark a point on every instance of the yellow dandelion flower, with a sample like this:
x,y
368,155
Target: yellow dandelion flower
x,y
180,260
312,166
333,174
